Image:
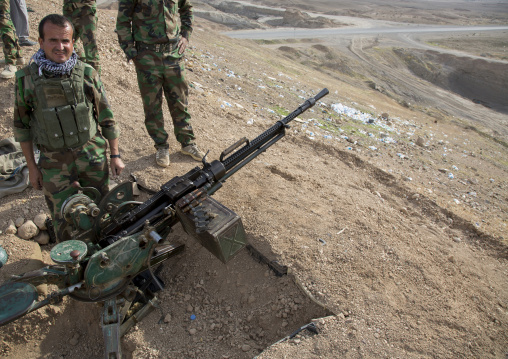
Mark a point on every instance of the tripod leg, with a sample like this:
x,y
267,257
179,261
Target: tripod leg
x,y
110,323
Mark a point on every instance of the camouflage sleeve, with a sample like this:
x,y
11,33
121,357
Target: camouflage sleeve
x,y
124,27
186,17
22,110
96,93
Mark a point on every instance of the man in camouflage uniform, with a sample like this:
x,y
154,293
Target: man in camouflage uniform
x,y
12,51
83,15
149,34
60,104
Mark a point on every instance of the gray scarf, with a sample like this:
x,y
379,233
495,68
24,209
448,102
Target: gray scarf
x,y
58,69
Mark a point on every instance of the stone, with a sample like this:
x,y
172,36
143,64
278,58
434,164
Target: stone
x,y
53,310
42,238
420,142
11,228
245,347
40,221
19,221
192,331
28,230
75,340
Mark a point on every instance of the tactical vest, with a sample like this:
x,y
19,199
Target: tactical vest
x,y
63,117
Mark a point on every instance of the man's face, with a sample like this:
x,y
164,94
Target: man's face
x,y
57,43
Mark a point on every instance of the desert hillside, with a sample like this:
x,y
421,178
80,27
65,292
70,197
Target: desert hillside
x,y
387,202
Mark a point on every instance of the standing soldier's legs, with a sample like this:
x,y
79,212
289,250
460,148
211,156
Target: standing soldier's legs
x,y
150,87
176,91
89,26
12,51
84,19
70,11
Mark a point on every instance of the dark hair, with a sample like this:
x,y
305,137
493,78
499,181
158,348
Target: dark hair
x,y
55,19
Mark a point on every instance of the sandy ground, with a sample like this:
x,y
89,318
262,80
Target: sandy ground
x,y
393,231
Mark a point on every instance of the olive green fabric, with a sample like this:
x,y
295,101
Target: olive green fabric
x,y
13,170
63,117
26,102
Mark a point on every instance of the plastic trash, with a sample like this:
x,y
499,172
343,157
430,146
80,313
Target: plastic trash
x,y
3,257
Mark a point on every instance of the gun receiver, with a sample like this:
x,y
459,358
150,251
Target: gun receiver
x,y
116,240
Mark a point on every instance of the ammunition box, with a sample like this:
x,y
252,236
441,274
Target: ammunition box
x,y
216,227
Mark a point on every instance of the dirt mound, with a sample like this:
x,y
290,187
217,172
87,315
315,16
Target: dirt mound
x,y
481,81
297,18
240,15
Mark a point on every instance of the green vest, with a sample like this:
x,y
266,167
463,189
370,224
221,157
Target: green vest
x,y
63,117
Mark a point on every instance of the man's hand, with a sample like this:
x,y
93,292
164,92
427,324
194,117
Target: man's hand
x,y
34,173
182,45
35,177
117,166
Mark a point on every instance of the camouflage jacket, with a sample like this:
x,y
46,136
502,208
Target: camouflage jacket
x,y
151,22
26,101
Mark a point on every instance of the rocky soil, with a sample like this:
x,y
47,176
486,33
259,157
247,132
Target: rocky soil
x,y
389,212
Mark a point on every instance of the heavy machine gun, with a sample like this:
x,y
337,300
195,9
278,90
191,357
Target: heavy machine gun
x,y
118,241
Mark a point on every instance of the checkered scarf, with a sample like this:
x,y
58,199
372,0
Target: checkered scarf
x,y
58,69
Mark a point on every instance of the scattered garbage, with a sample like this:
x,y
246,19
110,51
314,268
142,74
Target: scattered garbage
x,y
3,257
351,112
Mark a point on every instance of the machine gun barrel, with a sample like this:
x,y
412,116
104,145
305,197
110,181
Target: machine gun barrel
x,y
253,148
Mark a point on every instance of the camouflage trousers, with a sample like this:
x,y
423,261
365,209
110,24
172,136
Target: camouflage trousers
x,y
9,39
87,165
158,73
84,18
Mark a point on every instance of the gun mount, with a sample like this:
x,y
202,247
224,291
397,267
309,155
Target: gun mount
x,y
118,241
